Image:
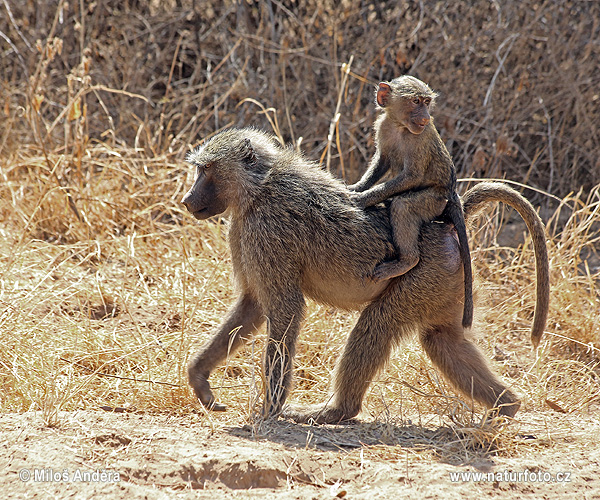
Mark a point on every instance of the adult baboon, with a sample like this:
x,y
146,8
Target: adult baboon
x,y
409,147
294,233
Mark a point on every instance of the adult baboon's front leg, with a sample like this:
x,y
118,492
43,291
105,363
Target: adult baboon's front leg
x,y
242,320
283,324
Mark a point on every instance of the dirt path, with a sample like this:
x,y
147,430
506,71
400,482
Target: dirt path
x,y
158,456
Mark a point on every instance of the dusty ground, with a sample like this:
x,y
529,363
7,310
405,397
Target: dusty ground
x,y
160,456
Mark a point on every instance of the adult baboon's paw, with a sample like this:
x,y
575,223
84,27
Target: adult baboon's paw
x,y
270,409
510,408
204,393
317,414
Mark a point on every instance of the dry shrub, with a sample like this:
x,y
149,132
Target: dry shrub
x,y
107,286
518,80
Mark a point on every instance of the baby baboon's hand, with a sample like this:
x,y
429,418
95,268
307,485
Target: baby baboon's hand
x,y
359,199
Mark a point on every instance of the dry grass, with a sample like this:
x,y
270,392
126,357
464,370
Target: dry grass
x,y
107,286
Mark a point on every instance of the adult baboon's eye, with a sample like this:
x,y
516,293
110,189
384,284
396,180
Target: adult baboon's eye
x,y
415,100
201,168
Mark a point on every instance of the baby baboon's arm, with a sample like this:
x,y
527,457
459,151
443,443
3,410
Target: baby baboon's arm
x,y
404,181
377,169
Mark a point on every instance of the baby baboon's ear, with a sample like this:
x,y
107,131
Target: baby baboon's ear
x,y
383,94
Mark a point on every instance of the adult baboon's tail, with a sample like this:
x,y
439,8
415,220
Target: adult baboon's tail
x,y
480,195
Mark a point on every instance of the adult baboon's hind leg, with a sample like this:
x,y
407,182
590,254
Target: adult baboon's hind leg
x,y
464,366
367,350
242,320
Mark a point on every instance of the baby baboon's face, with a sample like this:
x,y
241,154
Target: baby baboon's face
x,y
407,101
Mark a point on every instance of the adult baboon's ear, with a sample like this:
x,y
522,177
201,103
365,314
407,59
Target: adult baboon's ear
x,y
248,152
383,94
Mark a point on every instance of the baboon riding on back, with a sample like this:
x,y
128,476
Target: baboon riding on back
x,y
294,233
423,177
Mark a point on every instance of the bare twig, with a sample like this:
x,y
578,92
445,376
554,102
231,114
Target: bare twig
x,y
336,115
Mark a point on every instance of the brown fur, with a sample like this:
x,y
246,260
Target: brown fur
x,y
293,233
423,177
478,198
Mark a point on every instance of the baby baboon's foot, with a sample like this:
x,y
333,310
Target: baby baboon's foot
x,y
204,393
389,270
317,414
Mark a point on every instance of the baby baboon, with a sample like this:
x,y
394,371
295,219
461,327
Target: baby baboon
x,y
293,232
423,179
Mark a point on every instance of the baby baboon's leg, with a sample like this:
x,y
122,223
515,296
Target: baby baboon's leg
x,y
242,320
406,229
465,367
407,214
